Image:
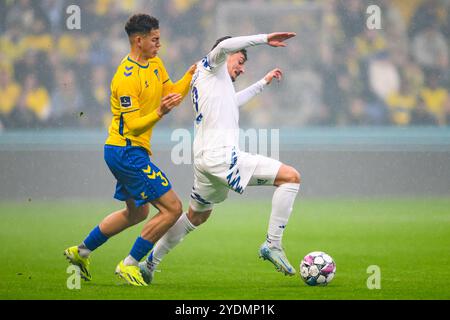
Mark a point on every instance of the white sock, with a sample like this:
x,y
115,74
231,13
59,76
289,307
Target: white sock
x,y
84,251
172,237
282,203
130,261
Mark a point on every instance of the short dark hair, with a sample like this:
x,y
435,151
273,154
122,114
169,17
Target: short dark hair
x,y
243,51
141,23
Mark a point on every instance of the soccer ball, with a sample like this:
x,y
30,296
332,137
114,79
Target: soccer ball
x,y
317,268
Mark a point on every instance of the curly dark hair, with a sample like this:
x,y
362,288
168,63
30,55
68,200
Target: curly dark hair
x,y
141,23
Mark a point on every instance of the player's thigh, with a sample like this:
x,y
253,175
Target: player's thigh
x,y
168,202
206,191
266,171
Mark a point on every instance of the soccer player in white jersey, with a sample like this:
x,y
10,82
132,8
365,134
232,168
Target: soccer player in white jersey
x,y
219,165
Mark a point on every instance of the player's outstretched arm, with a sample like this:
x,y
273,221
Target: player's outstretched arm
x,y
248,93
218,55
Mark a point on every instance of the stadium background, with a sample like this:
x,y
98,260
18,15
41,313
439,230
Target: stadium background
x,y
359,111
363,114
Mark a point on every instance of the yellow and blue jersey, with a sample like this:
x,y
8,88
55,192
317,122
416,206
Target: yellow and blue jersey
x,y
136,91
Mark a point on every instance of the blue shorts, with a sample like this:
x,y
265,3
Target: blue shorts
x,y
137,177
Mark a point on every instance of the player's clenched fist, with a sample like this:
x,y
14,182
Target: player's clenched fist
x,y
275,73
168,103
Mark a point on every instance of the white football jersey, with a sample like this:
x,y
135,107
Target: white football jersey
x,y
214,98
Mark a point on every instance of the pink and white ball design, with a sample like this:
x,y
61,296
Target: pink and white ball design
x,y
317,268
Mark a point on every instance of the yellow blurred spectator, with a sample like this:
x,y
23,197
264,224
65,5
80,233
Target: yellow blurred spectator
x,y
9,93
102,7
183,5
414,74
400,104
35,98
10,50
70,45
39,40
435,98
42,42
370,42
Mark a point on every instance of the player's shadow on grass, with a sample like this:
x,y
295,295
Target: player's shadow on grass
x,y
112,284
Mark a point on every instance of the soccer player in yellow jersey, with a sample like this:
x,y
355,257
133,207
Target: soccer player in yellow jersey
x,y
141,94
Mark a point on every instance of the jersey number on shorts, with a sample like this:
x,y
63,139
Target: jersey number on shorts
x,y
154,175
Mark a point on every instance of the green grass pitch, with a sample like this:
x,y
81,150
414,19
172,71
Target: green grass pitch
x,y
409,239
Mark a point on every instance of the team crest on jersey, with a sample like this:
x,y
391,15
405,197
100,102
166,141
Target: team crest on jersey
x,y
125,101
156,73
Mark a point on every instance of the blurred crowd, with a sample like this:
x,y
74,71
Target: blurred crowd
x,y
340,73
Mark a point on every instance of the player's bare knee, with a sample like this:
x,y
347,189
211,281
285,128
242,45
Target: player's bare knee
x,y
294,176
287,174
176,209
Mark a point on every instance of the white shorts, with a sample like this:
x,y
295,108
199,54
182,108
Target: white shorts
x,y
218,171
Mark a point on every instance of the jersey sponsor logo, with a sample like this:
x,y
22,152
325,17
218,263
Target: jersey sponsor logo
x,y
125,101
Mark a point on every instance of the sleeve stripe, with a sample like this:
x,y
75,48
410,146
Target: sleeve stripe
x,y
130,111
166,81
